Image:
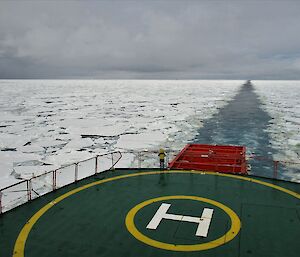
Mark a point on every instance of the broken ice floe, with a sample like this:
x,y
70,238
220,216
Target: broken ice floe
x,y
126,115
281,99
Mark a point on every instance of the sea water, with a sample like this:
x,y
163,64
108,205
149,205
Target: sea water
x,y
56,122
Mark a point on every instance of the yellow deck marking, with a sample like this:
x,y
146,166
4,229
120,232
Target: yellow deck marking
x,y
230,234
22,237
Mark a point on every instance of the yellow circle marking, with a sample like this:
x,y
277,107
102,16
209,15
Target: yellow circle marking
x,y
231,233
22,237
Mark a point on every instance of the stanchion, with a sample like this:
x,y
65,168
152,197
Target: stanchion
x,y
29,190
96,164
275,172
54,180
0,202
76,172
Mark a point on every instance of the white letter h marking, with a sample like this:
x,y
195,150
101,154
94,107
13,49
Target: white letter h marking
x,y
203,222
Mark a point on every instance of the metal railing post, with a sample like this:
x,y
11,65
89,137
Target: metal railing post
x,y
275,172
139,160
29,187
0,202
76,172
53,180
96,164
29,184
167,159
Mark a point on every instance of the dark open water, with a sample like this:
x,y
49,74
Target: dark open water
x,y
241,122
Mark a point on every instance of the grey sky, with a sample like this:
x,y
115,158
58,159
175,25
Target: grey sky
x,y
150,39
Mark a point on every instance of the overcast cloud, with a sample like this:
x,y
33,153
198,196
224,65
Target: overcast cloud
x,y
150,39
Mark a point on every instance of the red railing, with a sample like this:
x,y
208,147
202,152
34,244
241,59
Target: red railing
x,y
27,190
218,158
277,168
266,166
145,158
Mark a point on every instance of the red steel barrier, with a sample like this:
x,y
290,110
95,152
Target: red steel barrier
x,y
219,158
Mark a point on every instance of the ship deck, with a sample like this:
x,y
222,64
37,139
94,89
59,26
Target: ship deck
x,y
108,215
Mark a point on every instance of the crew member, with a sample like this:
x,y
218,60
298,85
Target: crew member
x,y
162,156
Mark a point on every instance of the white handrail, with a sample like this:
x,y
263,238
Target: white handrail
x,y
21,192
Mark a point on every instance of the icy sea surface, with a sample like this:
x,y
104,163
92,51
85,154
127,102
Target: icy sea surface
x,y
45,124
243,122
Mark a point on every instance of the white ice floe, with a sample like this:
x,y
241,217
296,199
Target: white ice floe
x,y
59,122
141,141
281,99
79,143
7,181
17,158
31,149
67,156
27,172
12,140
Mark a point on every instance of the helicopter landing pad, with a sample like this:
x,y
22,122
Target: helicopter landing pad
x,y
158,213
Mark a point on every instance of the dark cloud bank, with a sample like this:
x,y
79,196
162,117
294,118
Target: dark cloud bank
x,y
150,39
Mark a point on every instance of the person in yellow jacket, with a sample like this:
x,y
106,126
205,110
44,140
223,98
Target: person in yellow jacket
x,y
162,156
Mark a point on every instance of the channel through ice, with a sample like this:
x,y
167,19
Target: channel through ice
x,y
46,124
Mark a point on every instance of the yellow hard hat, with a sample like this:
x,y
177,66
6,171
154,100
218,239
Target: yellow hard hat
x,y
161,150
